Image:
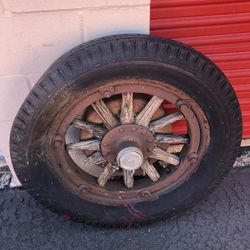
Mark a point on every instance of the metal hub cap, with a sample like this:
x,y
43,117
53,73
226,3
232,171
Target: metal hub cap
x,y
130,158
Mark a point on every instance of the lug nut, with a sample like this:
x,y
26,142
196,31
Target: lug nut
x,y
107,94
179,103
83,189
58,140
57,144
145,194
193,157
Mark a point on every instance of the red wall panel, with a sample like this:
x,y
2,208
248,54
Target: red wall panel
x,y
219,29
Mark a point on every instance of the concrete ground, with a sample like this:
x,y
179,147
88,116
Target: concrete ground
x,y
221,221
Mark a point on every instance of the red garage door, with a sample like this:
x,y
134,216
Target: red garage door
x,y
218,28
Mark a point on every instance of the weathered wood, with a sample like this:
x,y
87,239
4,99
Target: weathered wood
x,y
144,117
174,149
150,170
105,114
96,130
95,158
164,156
80,159
85,145
164,121
128,178
108,171
127,114
170,138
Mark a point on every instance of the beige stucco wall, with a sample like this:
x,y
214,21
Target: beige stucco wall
x,y
33,33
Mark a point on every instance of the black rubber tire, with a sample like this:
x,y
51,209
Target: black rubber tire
x,y
140,55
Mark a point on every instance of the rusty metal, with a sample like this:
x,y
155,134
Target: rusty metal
x,y
125,136
115,193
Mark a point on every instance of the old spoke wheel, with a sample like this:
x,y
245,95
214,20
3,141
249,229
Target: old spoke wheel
x,y
122,145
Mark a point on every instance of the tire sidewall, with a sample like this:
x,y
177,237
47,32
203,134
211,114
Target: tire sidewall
x,y
39,174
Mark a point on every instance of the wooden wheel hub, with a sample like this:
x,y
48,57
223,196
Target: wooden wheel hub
x,y
125,136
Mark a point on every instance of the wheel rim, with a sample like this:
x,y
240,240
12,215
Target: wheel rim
x,y
113,183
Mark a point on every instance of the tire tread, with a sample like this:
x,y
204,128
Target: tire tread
x,y
127,47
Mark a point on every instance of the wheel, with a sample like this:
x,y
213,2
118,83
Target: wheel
x,y
126,130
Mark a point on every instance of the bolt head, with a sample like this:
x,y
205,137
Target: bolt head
x,y
58,138
180,103
58,141
107,94
57,144
83,189
193,157
145,194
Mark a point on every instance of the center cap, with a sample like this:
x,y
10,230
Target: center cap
x,y
130,158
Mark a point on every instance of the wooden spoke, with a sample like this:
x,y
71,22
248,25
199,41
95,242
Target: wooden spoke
x,y
164,156
144,117
164,121
95,158
97,130
127,114
85,145
105,114
150,170
174,149
128,178
169,138
108,171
